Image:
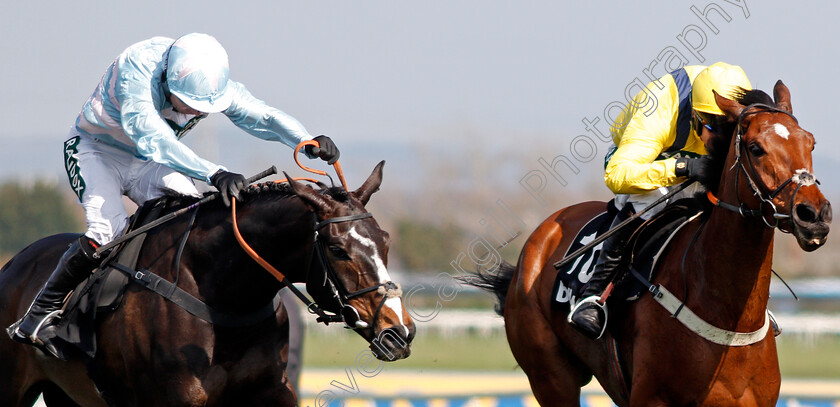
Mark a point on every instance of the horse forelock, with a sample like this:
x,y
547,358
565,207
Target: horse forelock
x,y
749,97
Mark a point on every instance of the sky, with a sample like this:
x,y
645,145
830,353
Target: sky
x,y
419,84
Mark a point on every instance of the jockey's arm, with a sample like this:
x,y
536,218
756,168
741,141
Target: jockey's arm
x,y
260,120
634,167
142,123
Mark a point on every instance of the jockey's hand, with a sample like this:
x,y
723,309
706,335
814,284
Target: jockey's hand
x,y
326,150
229,184
705,170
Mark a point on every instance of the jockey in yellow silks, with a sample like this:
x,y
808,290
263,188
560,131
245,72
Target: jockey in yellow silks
x,y
657,146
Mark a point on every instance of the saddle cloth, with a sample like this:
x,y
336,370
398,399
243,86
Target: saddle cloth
x,y
643,249
102,291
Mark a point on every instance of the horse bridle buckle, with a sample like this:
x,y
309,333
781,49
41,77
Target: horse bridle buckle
x,y
141,275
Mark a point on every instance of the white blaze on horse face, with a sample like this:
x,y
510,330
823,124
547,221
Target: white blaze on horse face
x,y
781,130
395,303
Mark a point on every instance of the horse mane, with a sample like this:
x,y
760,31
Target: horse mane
x,y
749,97
262,192
280,190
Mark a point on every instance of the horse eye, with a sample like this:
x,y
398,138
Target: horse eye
x,y
339,252
756,149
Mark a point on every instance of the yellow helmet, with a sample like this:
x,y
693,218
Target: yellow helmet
x,y
721,77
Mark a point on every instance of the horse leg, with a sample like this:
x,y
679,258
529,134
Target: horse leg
x,y
18,386
556,375
55,397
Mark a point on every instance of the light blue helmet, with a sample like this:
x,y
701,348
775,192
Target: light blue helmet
x,y
197,72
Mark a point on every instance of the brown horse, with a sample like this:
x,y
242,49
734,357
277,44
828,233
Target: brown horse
x,y
647,357
154,353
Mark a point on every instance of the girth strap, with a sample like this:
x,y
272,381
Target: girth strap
x,y
194,306
693,322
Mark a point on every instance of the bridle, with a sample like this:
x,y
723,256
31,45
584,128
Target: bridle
x,y
348,314
800,177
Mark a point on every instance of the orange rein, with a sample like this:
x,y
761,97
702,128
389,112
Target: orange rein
x,y
245,246
337,165
712,198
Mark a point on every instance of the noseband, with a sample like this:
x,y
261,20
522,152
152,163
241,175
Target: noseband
x,y
800,177
349,314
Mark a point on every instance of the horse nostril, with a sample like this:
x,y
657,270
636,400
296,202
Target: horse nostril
x,y
805,213
825,213
411,331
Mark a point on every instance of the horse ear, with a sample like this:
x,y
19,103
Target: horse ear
x,y
731,108
781,95
371,185
311,197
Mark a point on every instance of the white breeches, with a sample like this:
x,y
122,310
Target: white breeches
x,y
101,174
642,201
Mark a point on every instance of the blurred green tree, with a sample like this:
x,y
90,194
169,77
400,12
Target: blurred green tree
x,y
425,247
28,213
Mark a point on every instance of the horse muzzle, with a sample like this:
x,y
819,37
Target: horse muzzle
x,y
393,343
811,226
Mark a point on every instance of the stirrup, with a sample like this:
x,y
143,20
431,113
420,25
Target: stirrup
x,y
594,299
44,322
14,329
777,329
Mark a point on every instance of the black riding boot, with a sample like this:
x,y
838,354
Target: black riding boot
x,y
74,266
588,316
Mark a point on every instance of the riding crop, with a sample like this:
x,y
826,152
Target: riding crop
x,y
173,215
565,260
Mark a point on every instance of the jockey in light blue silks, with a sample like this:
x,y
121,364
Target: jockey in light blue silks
x,y
126,141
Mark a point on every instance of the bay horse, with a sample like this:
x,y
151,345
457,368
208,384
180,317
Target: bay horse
x,y
719,269
154,353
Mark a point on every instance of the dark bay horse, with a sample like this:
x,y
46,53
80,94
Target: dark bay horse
x,y
648,357
153,353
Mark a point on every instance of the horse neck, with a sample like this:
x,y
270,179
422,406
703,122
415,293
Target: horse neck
x,y
279,231
734,255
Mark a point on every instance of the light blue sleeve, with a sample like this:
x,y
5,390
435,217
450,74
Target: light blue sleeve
x,y
136,90
260,120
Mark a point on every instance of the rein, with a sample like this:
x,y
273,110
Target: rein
x,y
800,177
349,315
388,289
675,306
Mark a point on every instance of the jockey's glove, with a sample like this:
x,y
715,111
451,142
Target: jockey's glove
x,y
229,184
705,170
326,150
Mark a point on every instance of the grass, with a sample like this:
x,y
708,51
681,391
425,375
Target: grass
x,y
432,352
798,357
809,358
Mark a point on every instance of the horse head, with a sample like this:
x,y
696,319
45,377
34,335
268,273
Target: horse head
x,y
769,166
351,279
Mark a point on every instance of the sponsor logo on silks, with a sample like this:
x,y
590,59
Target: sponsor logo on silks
x,y
71,164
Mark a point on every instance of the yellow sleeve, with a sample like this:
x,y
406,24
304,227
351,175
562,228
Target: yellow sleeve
x,y
633,167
